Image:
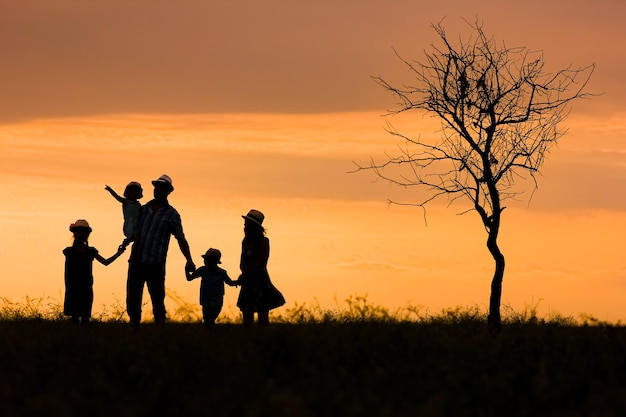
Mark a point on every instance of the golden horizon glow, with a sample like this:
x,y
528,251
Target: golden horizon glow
x,y
332,233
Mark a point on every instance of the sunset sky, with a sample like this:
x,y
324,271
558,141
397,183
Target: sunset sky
x,y
267,105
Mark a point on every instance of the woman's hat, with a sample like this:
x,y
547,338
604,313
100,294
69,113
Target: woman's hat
x,y
255,216
164,180
214,254
81,223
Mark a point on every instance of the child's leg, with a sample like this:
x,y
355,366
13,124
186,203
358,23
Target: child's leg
x,y
210,314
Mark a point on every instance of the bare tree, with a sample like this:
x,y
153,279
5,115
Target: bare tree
x,y
500,112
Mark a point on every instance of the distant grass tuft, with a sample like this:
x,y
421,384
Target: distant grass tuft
x,y
355,309
30,309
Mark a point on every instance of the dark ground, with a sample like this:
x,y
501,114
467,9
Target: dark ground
x,y
327,369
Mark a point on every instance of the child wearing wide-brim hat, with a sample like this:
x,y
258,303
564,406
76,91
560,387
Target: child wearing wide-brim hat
x,y
212,283
79,258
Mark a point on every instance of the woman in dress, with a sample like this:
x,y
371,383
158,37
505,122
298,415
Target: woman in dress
x,y
257,294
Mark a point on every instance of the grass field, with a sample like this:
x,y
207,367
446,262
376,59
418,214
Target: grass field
x,y
358,362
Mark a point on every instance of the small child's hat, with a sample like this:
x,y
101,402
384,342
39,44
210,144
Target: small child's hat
x,y
213,254
80,223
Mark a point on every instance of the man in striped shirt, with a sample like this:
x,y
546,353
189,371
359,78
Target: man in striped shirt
x,y
158,222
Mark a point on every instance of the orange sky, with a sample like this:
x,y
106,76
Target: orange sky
x,y
266,107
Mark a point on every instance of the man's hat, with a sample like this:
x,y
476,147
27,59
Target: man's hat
x,y
164,180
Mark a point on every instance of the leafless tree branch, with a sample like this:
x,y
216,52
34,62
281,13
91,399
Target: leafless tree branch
x,y
500,113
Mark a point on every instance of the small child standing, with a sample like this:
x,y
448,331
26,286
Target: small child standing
x,y
79,273
131,208
211,286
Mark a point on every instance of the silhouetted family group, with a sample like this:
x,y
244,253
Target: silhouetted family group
x,y
148,229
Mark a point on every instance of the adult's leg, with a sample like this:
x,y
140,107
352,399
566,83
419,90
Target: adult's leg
x,y
134,292
248,317
89,306
156,288
264,317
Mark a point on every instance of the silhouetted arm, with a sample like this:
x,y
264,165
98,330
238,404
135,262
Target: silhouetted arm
x,y
184,249
114,194
229,281
191,275
108,261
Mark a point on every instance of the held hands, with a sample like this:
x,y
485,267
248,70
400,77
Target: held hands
x,y
189,274
190,268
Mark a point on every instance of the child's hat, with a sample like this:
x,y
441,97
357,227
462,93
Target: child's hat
x,y
165,180
214,254
255,216
80,223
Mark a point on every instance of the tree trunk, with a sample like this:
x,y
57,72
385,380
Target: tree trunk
x,y
494,321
